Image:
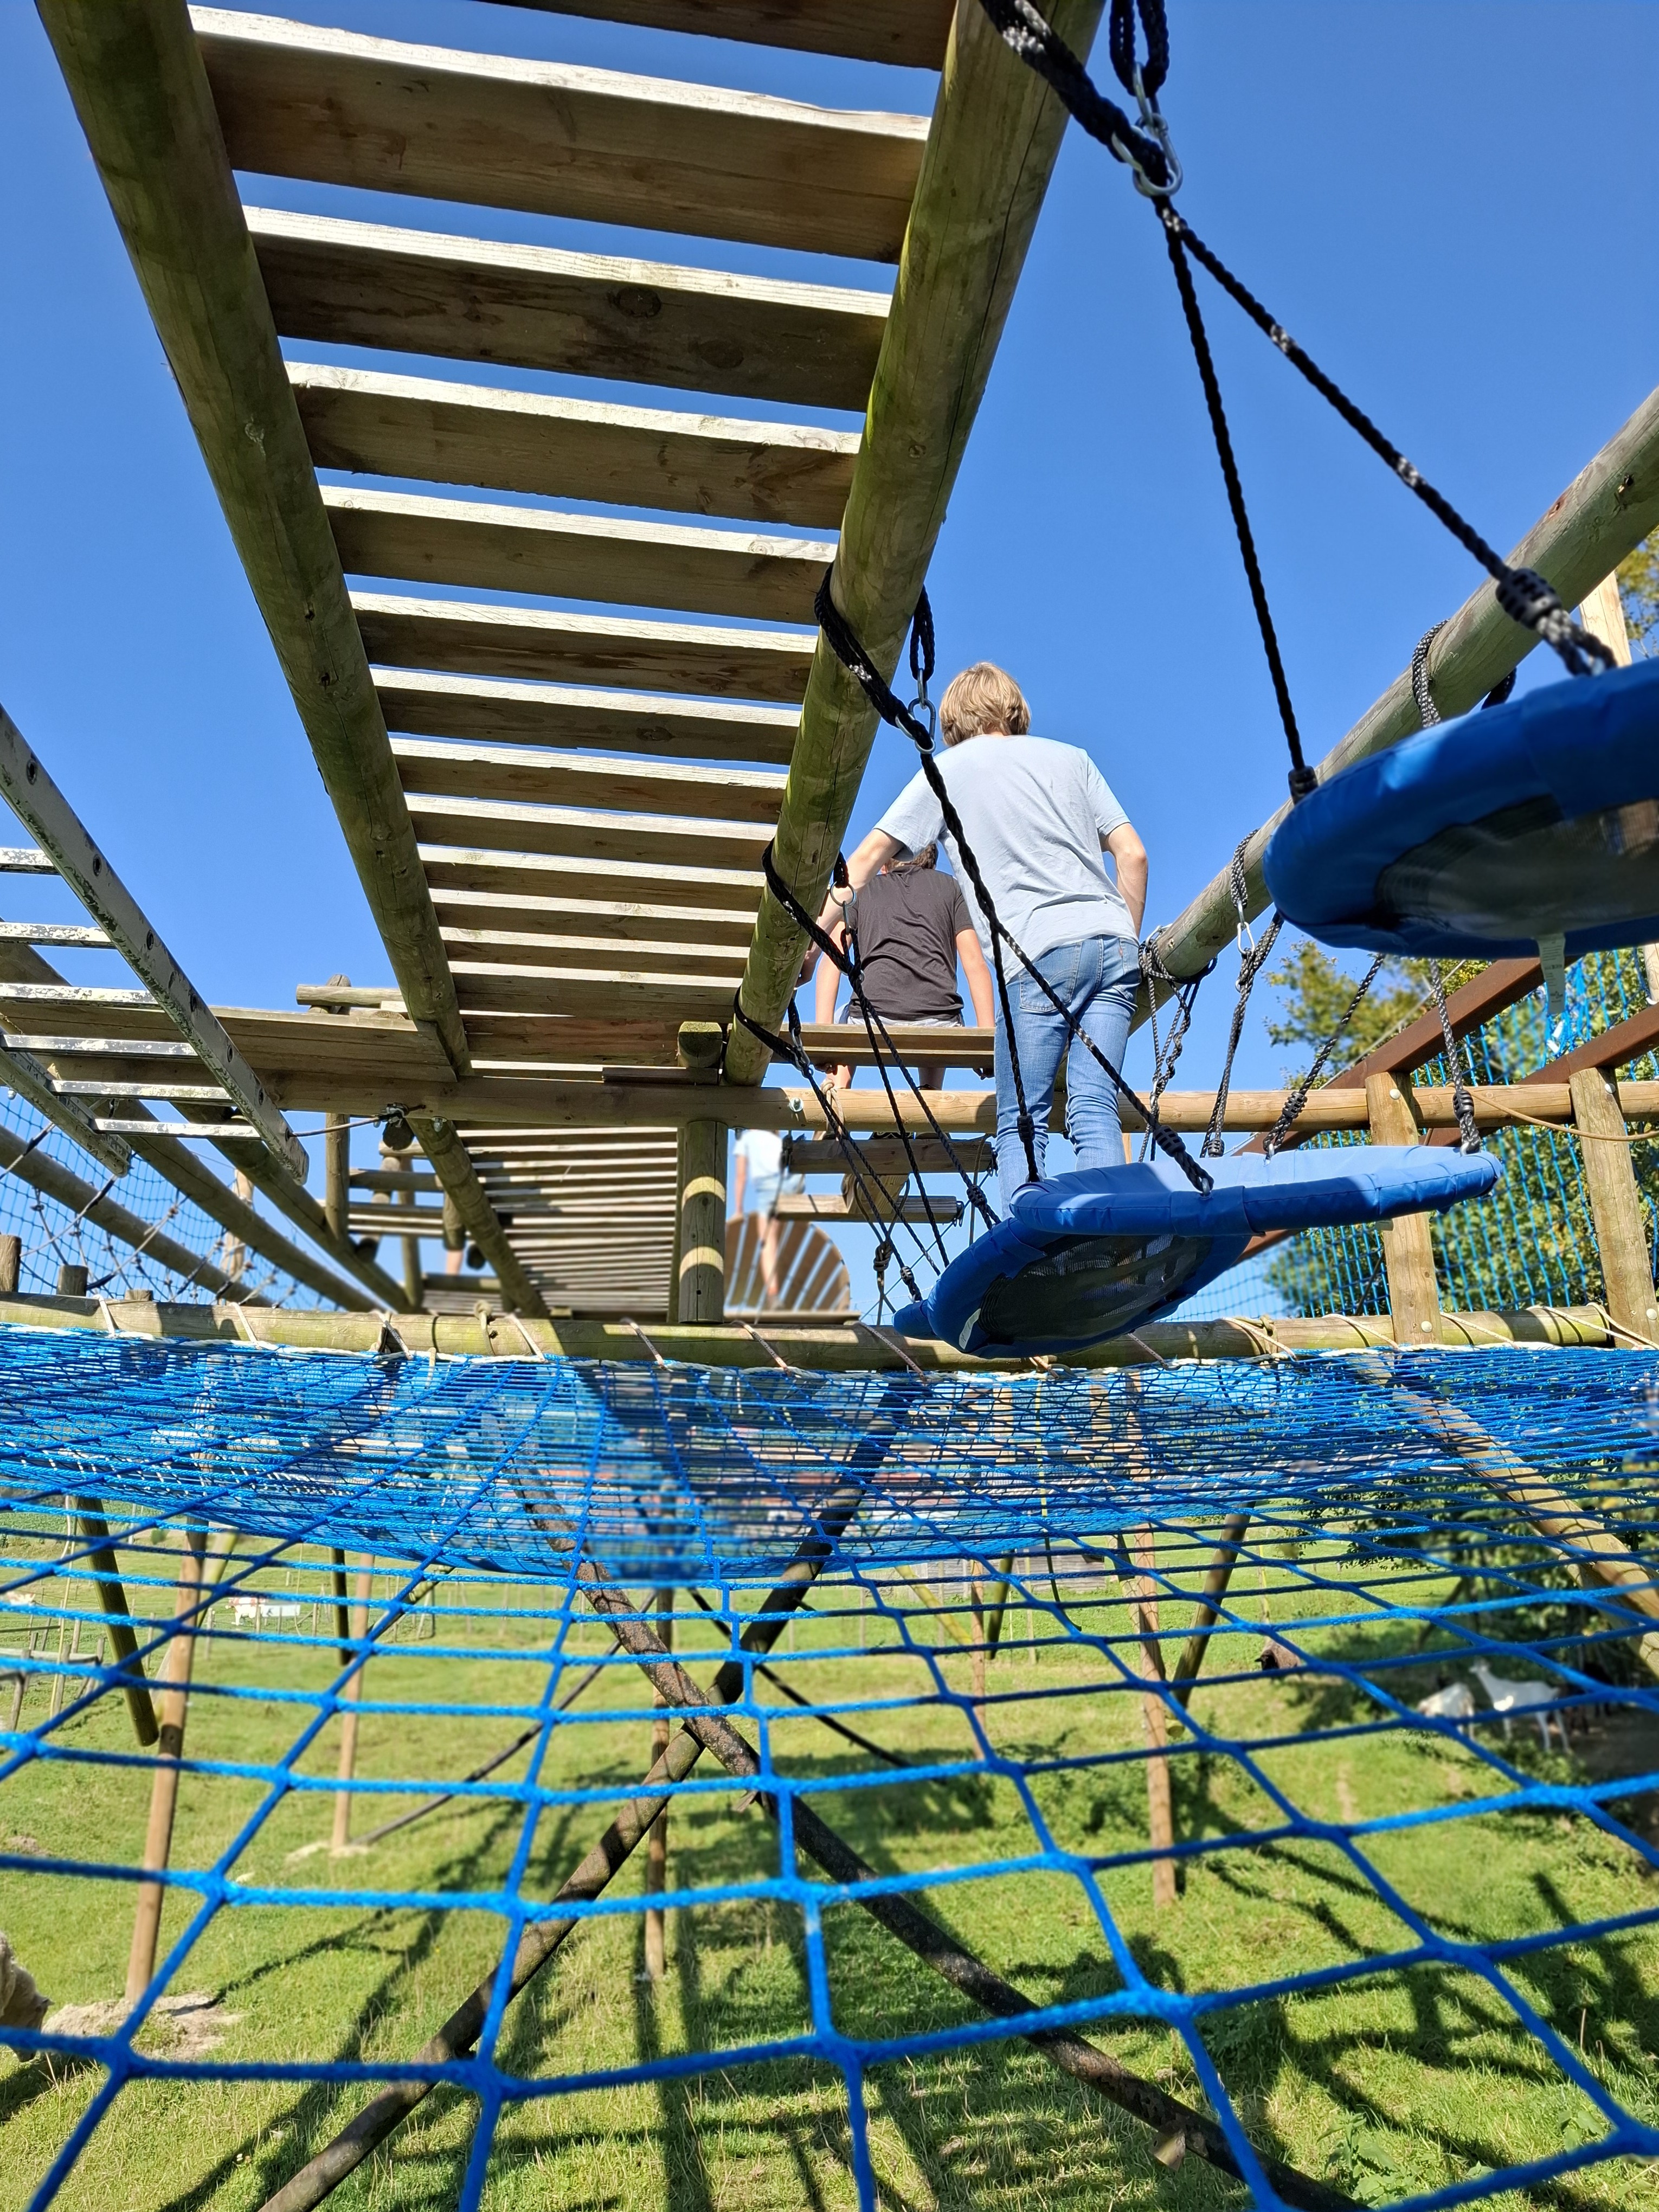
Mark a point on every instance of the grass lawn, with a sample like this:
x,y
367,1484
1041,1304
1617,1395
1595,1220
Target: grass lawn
x,y
1384,2085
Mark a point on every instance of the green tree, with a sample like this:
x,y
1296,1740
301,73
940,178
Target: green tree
x,y
1314,995
1638,587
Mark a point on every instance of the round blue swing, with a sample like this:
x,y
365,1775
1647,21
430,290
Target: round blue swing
x,y
1084,1257
1533,827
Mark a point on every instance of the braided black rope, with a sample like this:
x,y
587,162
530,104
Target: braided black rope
x,y
1468,1137
1299,1097
1252,959
1184,993
1026,32
844,644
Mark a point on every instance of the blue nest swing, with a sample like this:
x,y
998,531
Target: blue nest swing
x,y
1084,1257
1532,827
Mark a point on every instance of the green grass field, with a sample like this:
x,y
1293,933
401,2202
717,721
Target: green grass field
x,y
1383,2086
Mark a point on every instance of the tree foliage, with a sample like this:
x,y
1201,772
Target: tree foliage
x,y
1314,994
1638,587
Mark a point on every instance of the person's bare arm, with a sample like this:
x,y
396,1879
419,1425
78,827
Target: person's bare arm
x,y
739,1175
869,858
829,976
1130,855
979,979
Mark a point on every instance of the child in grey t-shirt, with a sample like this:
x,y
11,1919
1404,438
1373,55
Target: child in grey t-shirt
x,y
1040,818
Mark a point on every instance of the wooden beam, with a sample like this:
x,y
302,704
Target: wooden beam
x,y
607,921
531,776
701,1288
534,644
1605,512
342,282
496,987
518,947
911,35
135,74
408,536
995,133
832,1348
455,1171
1624,1041
1407,1252
591,145
1621,1235
485,711
374,424
636,841
549,874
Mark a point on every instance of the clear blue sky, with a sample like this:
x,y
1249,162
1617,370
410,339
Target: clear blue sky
x,y
1447,200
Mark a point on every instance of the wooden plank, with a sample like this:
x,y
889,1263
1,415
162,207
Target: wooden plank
x,y
847,1043
39,804
607,920
529,946
995,134
1604,513
537,778
665,840
589,145
342,282
912,34
136,76
485,711
455,1171
495,987
374,424
408,536
555,874
565,1045
533,644
1621,1236
1407,1252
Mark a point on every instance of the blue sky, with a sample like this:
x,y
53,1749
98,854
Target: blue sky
x,y
1446,202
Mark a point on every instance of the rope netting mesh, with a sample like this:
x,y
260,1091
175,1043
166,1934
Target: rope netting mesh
x,y
972,1669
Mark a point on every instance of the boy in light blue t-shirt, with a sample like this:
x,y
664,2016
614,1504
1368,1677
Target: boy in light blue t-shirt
x,y
1040,818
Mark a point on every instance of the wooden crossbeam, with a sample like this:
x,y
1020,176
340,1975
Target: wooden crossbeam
x,y
372,423
135,74
536,644
463,867
486,711
911,34
436,768
499,987
528,947
669,843
412,536
553,140
344,282
607,921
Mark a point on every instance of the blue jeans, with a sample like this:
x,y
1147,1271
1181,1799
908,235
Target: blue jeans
x,y
1096,979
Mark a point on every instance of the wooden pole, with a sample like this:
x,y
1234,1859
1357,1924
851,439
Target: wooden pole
x,y
1220,1574
656,1857
1604,513
100,1562
11,1261
1407,1252
176,1666
337,1173
1616,1205
702,1280
452,1165
1160,1804
995,133
413,1285
351,1695
341,1611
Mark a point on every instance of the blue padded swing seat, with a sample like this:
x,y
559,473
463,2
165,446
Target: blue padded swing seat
x,y
1084,1257
1491,837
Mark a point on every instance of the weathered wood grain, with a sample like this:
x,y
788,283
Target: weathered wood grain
x,y
611,721
665,841
605,921
513,772
908,32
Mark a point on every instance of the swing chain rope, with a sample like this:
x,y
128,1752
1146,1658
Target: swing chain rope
x,y
1298,1098
1252,959
1468,1137
844,643
1184,994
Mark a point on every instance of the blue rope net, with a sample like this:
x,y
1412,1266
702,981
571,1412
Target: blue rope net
x,y
1415,1959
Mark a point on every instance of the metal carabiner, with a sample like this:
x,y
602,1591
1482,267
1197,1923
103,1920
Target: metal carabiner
x,y
926,707
1153,122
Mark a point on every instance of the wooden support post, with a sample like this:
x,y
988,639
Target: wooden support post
x,y
702,1277
1407,1252
176,1666
1220,1574
414,1283
1616,1205
342,1612
11,1261
351,1695
71,1280
1160,1805
656,1858
100,1562
337,1173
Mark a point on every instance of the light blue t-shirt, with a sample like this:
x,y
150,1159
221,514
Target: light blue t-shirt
x,y
1035,813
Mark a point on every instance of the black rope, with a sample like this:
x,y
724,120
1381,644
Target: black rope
x,y
1145,149
1184,993
844,644
1468,1137
1299,1097
1252,959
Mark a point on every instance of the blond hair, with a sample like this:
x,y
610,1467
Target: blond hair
x,y
983,697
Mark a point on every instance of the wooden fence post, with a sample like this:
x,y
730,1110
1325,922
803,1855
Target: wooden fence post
x,y
351,1695
176,1665
701,1282
337,1174
101,1562
656,1855
1407,1251
1615,1207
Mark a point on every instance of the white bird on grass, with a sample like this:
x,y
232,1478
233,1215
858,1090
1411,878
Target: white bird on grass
x,y
1507,1696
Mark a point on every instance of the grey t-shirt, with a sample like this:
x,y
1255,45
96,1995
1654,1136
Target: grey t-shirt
x,y
1035,813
